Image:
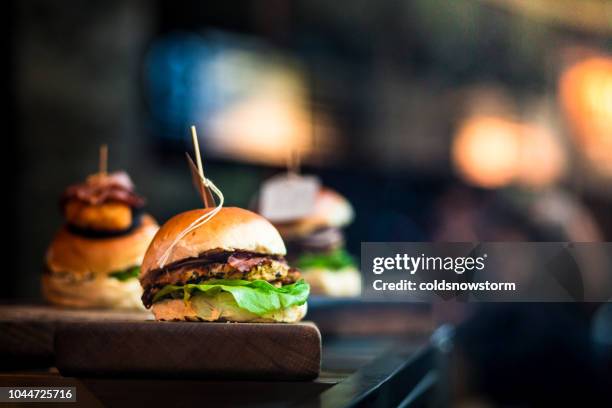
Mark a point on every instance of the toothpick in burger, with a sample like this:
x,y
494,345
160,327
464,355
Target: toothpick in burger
x,y
220,264
94,259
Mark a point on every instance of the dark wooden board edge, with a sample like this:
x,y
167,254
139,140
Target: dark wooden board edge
x,y
245,351
27,331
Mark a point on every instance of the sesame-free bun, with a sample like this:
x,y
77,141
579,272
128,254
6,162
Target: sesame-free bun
x,y
217,308
97,292
330,210
80,256
231,229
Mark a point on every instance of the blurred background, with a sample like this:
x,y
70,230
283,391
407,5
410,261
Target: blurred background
x,y
440,120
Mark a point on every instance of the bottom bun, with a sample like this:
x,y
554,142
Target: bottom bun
x,y
221,307
345,282
100,292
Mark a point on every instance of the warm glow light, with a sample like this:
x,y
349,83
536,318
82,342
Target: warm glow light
x,y
542,158
585,91
486,151
263,129
493,152
265,116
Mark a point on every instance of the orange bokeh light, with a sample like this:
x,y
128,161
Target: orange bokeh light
x,y
585,92
492,152
486,151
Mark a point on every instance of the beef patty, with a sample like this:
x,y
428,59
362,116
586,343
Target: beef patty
x,y
217,264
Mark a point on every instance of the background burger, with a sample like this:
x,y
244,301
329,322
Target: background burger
x,y
94,259
316,246
232,268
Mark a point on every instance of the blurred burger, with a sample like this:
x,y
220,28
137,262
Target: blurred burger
x,y
94,259
316,246
230,268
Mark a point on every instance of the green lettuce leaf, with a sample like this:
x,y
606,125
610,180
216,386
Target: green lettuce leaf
x,y
126,274
335,260
258,296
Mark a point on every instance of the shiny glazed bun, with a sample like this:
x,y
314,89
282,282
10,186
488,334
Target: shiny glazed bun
x,y
231,229
80,255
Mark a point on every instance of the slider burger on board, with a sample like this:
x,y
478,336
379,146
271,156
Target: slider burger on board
x,y
220,264
94,259
232,268
316,242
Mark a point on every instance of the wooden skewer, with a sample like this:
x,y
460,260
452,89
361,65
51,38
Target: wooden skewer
x,y
207,197
103,164
196,147
297,161
293,161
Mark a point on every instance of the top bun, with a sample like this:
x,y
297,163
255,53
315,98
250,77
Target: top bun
x,y
231,229
330,210
73,253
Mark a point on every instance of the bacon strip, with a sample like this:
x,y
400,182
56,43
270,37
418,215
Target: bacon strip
x,y
99,189
244,262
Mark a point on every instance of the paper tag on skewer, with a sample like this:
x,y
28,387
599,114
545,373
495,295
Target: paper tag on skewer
x,y
288,197
203,191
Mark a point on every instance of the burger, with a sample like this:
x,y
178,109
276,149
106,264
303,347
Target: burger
x,y
230,268
316,246
94,259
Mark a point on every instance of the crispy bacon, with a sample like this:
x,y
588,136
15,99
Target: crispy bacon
x,y
99,189
244,262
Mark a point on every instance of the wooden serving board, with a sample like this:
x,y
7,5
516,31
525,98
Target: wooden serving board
x,y
256,351
27,331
